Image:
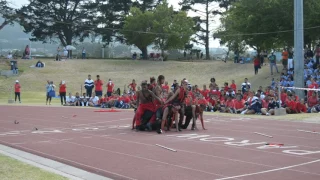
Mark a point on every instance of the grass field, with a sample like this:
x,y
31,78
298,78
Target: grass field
x,y
11,169
74,72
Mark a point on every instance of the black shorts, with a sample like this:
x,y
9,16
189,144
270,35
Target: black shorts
x,y
98,93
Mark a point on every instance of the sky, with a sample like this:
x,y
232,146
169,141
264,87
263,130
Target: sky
x,y
215,21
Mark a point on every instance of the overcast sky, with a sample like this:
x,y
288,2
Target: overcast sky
x,y
213,25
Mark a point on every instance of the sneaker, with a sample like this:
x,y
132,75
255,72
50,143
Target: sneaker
x,y
268,114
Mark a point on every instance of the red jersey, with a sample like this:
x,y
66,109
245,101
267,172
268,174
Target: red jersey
x,y
205,93
312,101
98,85
229,103
234,87
312,86
62,88
256,62
133,86
215,92
238,104
245,96
102,100
292,105
17,88
226,89
110,87
212,101
265,104
165,88
301,108
202,101
126,100
283,97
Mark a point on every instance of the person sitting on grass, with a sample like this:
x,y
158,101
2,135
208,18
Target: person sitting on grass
x,y
103,101
291,105
94,100
70,100
272,104
312,101
77,100
301,107
238,105
84,99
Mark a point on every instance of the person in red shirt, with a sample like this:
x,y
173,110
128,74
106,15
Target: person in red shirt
x,y
313,85
63,92
233,86
110,87
291,105
228,105
312,100
301,107
226,87
132,87
256,64
283,97
166,87
205,92
103,101
17,90
98,84
238,105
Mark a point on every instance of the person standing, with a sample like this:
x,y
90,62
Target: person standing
x,y
285,55
317,52
98,86
62,92
290,59
256,64
83,53
110,87
50,88
273,62
17,90
89,85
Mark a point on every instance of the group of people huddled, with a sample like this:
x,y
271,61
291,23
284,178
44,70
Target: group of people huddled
x,y
157,105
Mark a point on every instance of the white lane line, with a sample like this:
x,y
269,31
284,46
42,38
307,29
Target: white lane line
x,y
263,134
272,170
313,132
66,139
166,148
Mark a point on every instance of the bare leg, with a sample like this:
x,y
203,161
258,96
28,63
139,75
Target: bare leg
x,y
194,124
164,118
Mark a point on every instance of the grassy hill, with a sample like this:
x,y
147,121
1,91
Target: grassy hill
x,y
74,72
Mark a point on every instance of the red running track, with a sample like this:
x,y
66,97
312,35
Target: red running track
x,y
104,143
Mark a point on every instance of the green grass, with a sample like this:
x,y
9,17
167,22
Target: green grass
x,y
11,169
74,72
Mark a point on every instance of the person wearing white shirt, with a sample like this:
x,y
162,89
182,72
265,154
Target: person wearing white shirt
x,y
70,100
9,56
94,100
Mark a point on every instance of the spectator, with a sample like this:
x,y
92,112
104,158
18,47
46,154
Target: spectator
x,y
290,59
317,52
17,90
84,100
65,52
301,107
165,87
233,86
132,87
70,100
62,92
110,87
83,53
9,56
89,85
291,105
246,86
77,100
256,64
312,101
50,92
273,62
238,105
94,100
98,84
285,58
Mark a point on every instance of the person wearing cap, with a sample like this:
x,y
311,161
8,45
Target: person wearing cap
x,y
17,90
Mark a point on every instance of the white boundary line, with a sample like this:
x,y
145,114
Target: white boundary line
x,y
263,134
166,148
308,131
271,170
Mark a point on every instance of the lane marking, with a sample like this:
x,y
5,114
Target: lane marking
x,y
166,148
313,132
271,170
263,134
66,139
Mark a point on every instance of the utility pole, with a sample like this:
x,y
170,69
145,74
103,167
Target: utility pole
x,y
298,47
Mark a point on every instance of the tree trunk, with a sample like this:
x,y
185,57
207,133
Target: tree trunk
x,y
69,42
207,32
144,51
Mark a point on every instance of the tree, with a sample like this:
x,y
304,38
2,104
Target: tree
x,y
66,20
172,29
146,5
137,29
7,13
203,35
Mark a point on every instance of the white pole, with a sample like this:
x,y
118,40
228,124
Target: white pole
x,y
298,47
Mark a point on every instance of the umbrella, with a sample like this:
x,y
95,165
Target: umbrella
x,y
69,47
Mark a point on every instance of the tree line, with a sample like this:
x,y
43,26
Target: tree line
x,y
260,24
